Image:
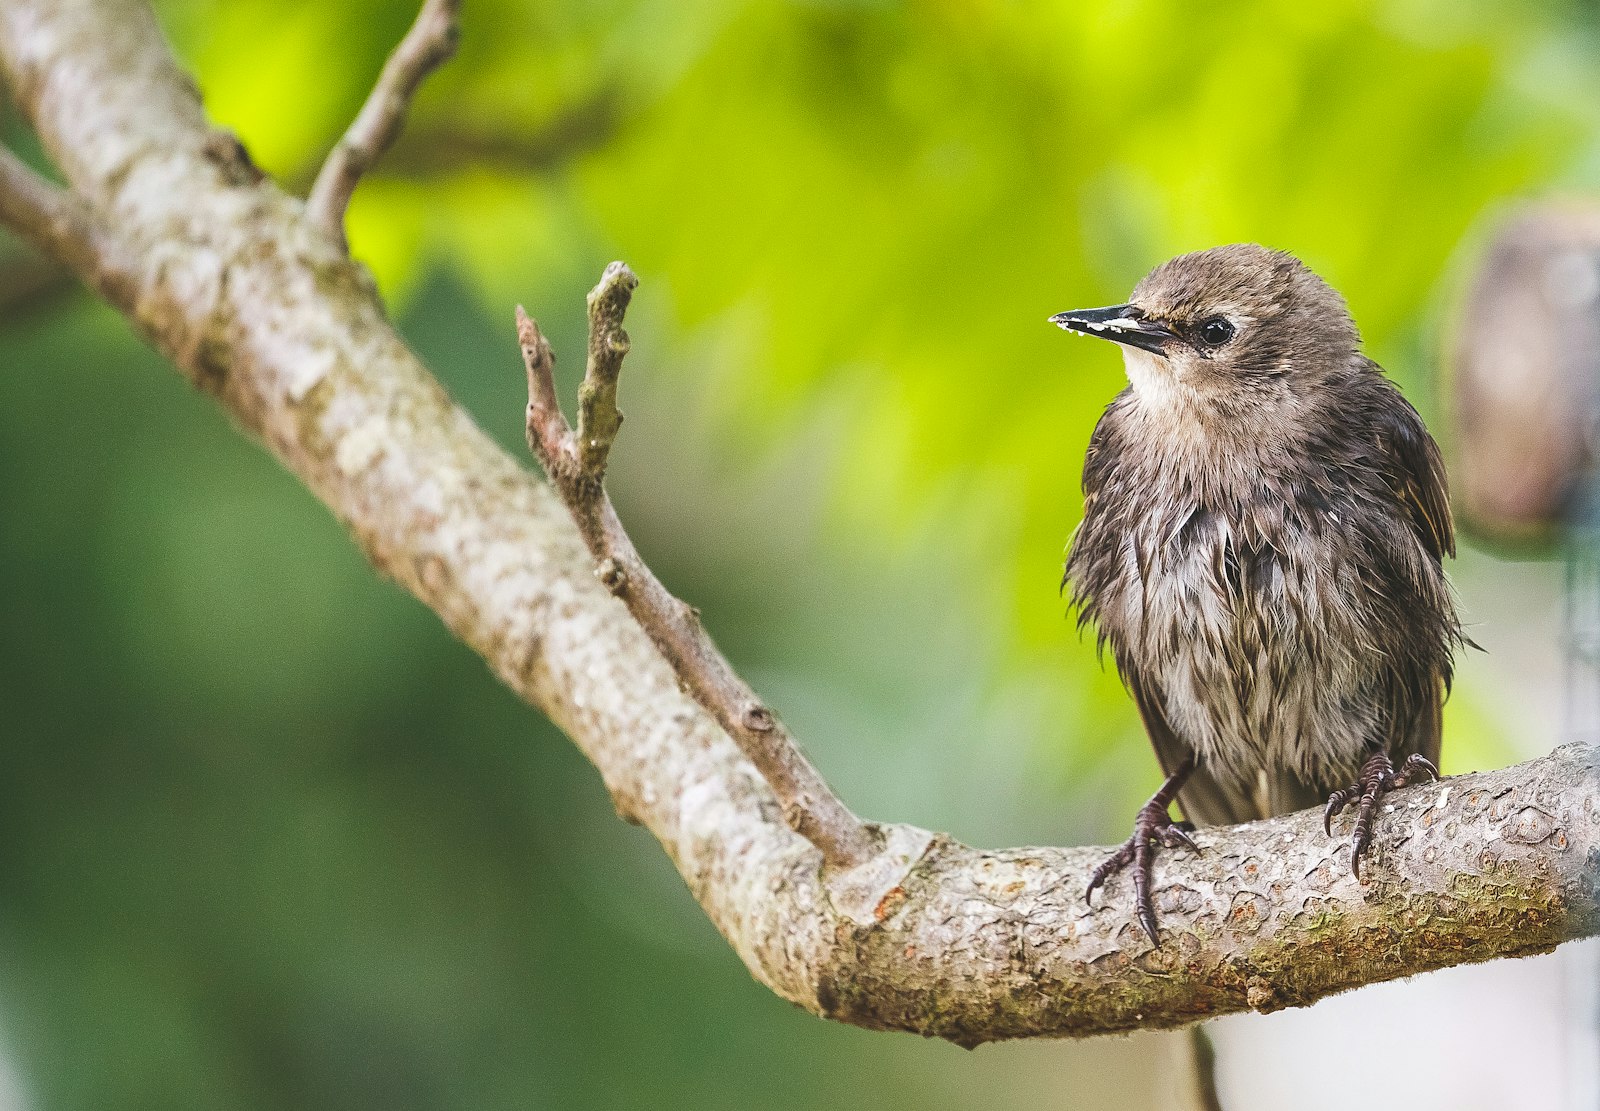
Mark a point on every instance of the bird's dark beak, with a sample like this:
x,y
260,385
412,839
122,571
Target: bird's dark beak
x,y
1122,323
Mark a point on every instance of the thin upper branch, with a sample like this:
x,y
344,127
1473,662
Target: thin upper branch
x,y
428,45
575,463
262,308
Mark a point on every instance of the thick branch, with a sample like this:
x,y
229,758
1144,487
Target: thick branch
x,y
576,465
428,45
258,306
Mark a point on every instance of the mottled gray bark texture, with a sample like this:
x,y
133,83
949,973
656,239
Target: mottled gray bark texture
x,y
260,307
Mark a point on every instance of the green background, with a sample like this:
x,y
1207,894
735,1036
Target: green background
x,y
270,838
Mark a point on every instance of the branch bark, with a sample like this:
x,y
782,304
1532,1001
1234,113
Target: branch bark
x,y
249,298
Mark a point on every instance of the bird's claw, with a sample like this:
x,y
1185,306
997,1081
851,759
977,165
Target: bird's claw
x,y
1378,777
1153,826
1337,802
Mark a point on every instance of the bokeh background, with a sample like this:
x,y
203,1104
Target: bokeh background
x,y
269,838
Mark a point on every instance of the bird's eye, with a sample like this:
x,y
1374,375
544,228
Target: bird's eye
x,y
1216,331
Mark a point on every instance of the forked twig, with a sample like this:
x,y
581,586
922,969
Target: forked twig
x,y
576,462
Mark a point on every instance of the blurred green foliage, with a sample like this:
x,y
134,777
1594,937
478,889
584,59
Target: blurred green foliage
x,y
268,838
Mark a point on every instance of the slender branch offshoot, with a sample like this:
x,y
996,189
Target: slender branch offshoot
x,y
428,45
575,461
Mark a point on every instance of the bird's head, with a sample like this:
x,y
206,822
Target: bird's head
x,y
1233,326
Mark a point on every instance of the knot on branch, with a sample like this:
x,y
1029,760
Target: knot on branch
x,y
223,149
611,576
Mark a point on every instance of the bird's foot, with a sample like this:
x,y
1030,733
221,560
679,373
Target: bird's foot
x,y
1377,779
1151,827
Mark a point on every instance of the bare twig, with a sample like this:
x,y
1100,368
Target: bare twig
x,y
60,226
48,216
599,419
429,43
576,465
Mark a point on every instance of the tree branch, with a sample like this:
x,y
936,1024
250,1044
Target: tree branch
x,y
59,226
576,465
428,45
256,304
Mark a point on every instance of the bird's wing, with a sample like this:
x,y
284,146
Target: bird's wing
x,y
1414,467
1203,800
1415,470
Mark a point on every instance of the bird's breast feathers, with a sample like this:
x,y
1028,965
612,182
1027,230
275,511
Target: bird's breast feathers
x,y
1268,609
1255,647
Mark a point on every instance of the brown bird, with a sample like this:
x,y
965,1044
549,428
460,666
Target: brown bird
x,y
1264,522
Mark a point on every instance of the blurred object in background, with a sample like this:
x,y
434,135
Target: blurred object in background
x,y
1523,375
1523,360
